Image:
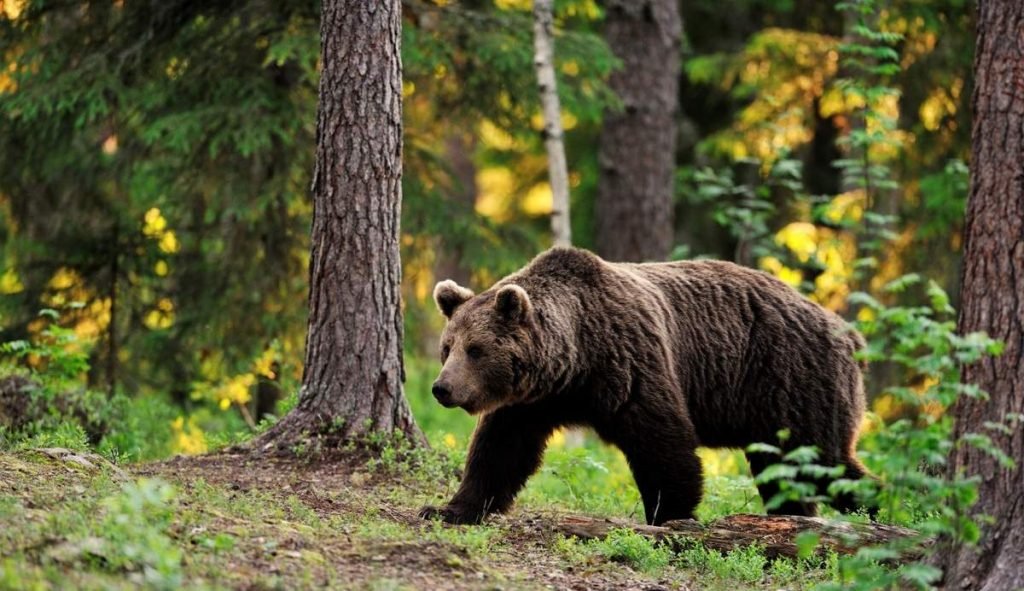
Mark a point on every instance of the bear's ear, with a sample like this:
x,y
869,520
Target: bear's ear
x,y
512,303
449,295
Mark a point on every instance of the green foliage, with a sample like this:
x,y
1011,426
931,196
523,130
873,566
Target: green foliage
x,y
134,534
163,174
633,549
912,484
747,564
58,410
745,208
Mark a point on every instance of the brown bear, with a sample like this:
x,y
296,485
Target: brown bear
x,y
658,358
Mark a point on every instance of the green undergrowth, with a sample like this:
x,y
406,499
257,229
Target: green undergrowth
x,y
64,526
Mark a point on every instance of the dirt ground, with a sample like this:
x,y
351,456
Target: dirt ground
x,y
520,556
264,523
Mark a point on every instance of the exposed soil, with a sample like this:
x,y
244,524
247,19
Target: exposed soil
x,y
521,555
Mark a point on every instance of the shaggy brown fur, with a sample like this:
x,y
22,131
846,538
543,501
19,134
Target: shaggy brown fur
x,y
658,358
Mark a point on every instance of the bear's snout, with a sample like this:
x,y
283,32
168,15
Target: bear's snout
x,y
443,394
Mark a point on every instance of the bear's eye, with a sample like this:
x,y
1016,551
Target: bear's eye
x,y
474,352
445,350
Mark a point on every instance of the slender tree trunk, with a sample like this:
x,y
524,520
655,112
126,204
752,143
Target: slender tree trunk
x,y
115,271
993,300
462,195
544,61
634,208
352,380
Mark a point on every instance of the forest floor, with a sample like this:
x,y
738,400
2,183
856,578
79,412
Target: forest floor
x,y
238,522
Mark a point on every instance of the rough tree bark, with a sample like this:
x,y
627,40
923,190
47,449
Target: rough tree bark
x,y
352,379
544,61
634,212
993,299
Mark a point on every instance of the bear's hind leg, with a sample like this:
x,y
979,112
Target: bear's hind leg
x,y
848,502
758,463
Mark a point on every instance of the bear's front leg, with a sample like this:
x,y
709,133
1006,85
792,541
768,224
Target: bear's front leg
x,y
660,444
507,448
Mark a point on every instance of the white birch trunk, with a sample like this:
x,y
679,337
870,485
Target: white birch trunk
x,y
543,40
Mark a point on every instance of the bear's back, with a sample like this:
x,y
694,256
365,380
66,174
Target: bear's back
x,y
746,342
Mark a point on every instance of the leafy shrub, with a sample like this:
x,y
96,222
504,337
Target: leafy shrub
x,y
48,405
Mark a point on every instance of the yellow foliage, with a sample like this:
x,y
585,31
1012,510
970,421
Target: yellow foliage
x,y
538,200
264,364
155,226
495,137
10,283
495,186
175,68
557,439
834,251
161,316
187,438
587,9
64,278
168,242
774,266
12,9
847,206
719,462
522,5
234,391
939,105
569,121
449,441
866,315
799,237
93,320
154,222
871,423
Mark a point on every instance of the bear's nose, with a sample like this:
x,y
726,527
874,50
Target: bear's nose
x,y
442,393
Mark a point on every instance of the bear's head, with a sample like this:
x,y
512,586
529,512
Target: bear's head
x,y
485,346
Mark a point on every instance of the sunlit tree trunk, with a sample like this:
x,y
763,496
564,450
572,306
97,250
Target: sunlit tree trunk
x,y
634,207
352,381
544,62
993,300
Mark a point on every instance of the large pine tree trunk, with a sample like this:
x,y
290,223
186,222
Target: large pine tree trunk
x,y
352,382
638,145
993,299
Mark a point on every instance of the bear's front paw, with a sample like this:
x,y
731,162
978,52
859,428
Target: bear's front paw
x,y
453,515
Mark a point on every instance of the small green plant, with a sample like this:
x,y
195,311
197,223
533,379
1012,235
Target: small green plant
x,y
134,534
628,547
747,564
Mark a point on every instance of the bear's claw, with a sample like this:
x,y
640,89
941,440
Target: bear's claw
x,y
451,515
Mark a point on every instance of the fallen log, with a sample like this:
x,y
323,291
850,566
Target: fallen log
x,y
778,535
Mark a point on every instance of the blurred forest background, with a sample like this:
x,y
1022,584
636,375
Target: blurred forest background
x,y
157,160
